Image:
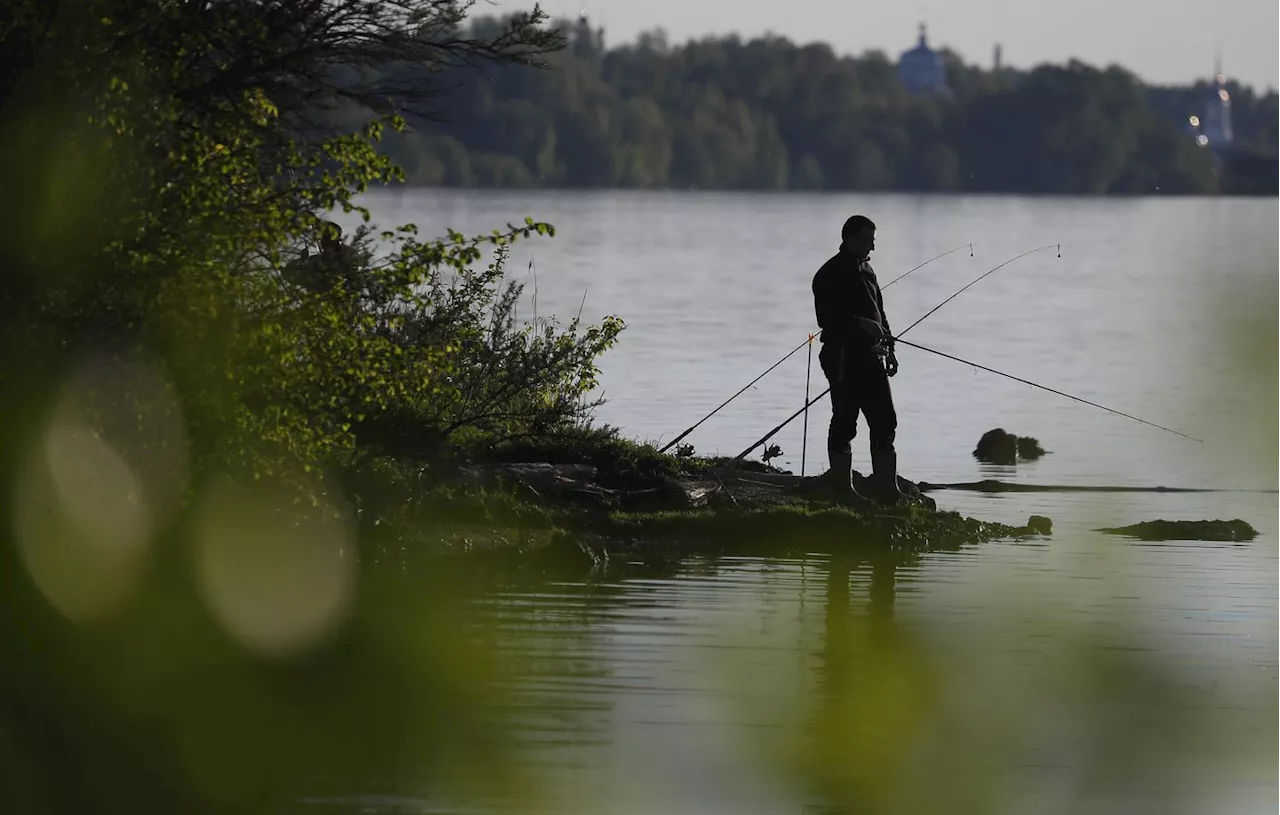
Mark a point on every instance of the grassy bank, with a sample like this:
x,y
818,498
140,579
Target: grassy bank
x,y
590,493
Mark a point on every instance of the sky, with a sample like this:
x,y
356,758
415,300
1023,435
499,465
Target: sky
x,y
1162,41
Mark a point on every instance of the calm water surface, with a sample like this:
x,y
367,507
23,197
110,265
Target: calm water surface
x,y
683,687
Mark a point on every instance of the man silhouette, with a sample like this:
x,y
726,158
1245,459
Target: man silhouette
x,y
857,358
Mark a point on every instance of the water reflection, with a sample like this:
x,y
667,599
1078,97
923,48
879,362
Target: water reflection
x,y
838,652
846,681
847,746
715,682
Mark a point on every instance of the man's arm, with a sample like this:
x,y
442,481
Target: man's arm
x,y
817,305
822,301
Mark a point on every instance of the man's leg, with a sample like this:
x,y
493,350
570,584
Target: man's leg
x,y
844,414
882,424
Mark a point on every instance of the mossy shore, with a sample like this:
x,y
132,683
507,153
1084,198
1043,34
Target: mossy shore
x,y
598,496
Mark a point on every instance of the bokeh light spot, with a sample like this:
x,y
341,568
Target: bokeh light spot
x,y
83,523
278,577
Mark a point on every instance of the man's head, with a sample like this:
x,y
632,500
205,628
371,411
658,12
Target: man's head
x,y
859,236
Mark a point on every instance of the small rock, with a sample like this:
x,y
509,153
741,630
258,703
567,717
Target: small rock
x,y
1040,525
999,446
1029,448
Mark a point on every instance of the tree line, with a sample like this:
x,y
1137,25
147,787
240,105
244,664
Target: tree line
x,y
769,114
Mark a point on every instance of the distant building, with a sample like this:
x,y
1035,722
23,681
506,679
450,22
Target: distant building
x,y
1212,126
587,43
920,70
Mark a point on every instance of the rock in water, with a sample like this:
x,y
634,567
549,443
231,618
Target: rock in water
x,y
997,447
1029,448
1036,525
1002,447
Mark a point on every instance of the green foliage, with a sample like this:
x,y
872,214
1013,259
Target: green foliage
x,y
184,181
506,378
769,114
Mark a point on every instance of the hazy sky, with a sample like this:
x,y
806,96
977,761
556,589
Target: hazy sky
x,y
1163,41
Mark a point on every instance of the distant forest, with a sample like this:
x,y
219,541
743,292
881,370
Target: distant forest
x,y
767,114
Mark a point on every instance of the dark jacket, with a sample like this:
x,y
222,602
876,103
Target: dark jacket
x,y
843,290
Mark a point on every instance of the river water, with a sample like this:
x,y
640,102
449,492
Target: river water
x,y
1076,673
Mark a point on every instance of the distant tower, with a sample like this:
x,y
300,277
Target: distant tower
x,y
587,43
1215,124
921,70
995,59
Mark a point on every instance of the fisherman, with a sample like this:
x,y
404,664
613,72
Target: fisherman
x,y
857,358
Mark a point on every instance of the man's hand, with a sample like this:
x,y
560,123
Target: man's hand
x,y
890,357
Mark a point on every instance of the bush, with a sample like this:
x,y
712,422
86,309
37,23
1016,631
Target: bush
x,y
471,366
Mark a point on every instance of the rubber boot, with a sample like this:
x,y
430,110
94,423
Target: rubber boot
x,y
884,474
841,473
841,480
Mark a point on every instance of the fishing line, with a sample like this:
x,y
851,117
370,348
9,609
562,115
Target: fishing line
x,y
1050,390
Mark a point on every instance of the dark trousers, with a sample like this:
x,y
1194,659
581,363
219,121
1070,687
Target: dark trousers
x,y
858,384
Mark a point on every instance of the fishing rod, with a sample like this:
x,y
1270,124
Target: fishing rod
x,y
790,353
809,404
984,274
804,434
1051,390
926,263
